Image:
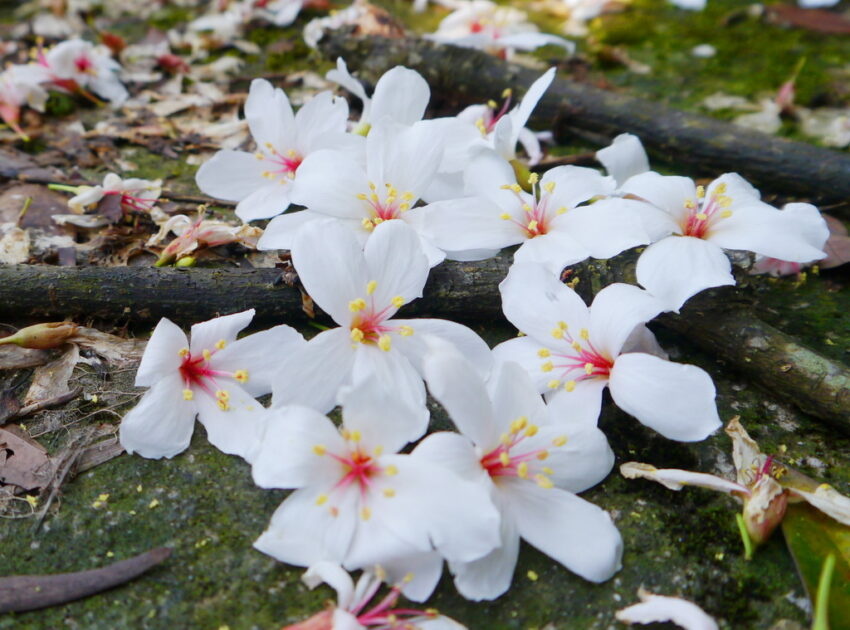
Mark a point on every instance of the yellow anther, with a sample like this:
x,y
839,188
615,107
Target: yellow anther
x,y
374,198
260,156
183,352
542,455
561,210
700,191
526,207
720,188
291,153
408,578
222,404
558,333
562,325
481,126
367,224
532,575
724,201
519,424
403,207
207,354
357,305
407,196
554,384
576,346
371,286
321,499
505,439
356,335
547,366
725,214
533,179
389,493
268,174
398,301
319,449
355,436
222,394
188,394
241,376
372,186
522,470
690,204
559,441
516,188
505,458
543,481
570,386
507,93
531,430
432,612
405,331
378,450
492,104
220,344
391,470
385,343
362,197
549,187
588,368
701,216
548,470
543,353
505,216
584,334
532,226
365,514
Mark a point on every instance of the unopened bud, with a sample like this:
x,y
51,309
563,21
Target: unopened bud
x,y
42,336
522,174
764,509
186,261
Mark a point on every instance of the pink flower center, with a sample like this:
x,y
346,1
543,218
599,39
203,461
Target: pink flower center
x,y
359,469
198,374
132,203
368,319
703,213
284,165
515,457
384,207
84,64
581,362
534,214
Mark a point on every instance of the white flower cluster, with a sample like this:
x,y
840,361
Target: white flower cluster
x,y
73,66
386,198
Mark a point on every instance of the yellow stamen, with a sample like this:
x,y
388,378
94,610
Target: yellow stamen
x,y
588,368
570,386
321,499
220,344
319,449
357,305
371,286
531,430
701,216
365,514
549,187
542,455
223,405
385,343
183,352
560,440
389,493
720,188
558,333
700,191
725,214
522,471
543,353
391,470
241,376
405,331
398,301
547,367
519,424
543,481
505,458
355,436
533,179
505,216
554,384
585,334
188,394
222,394
356,335
207,354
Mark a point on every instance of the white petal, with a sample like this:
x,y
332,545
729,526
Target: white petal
x,y
333,575
268,200
616,311
281,231
470,223
676,479
418,573
624,157
674,399
286,458
575,185
567,528
531,145
454,452
303,533
400,94
606,227
534,300
235,431
669,193
467,342
269,114
313,373
322,115
829,501
656,608
553,251
344,620
580,407
405,157
161,356
261,355
343,77
231,175
532,41
490,576
330,264
524,352
161,424
329,181
395,262
485,177
206,334
514,395
678,267
739,189
454,382
536,90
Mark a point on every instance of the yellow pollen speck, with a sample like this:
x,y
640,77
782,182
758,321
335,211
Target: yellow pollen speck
x,y
385,343
372,186
481,126
259,155
507,93
570,386
356,335
505,458
389,493
558,333
321,499
559,441
398,301
405,331
554,384
720,188
542,455
531,430
407,196
492,104
585,334
220,344
725,214
700,191
505,187
391,470
371,286
516,188
367,224
188,394
207,354
505,439
543,353
588,368
519,424
378,450
532,576
153,504
334,511
724,201
690,204
241,376
701,216
532,225
223,405
522,471
222,394
549,187
404,207
319,449
561,210
543,481
547,366
183,352
562,325
505,216
533,179
548,470
365,514
355,436
32,500
377,220
362,197
357,305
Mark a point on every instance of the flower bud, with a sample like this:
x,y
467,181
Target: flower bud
x,y
42,336
764,509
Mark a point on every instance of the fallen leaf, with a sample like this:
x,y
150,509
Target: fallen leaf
x,y
118,351
16,358
817,20
51,381
23,461
837,246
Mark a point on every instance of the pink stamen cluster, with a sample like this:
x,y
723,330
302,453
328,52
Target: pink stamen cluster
x,y
383,615
585,362
704,213
536,217
500,462
359,469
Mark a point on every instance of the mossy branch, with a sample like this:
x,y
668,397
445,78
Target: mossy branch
x,y
719,322
706,145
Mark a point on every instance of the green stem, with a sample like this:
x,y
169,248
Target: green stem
x,y
64,188
745,536
821,621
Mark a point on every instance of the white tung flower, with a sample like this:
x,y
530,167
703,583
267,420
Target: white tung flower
x,y
576,351
362,290
136,195
76,64
214,377
262,182
531,459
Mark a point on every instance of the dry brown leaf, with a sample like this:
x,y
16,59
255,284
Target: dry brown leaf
x,y
51,381
23,461
117,351
16,358
817,20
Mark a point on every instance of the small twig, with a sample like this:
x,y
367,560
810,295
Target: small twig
x,y
579,159
50,402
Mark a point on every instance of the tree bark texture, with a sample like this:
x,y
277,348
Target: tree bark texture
x,y
717,321
705,145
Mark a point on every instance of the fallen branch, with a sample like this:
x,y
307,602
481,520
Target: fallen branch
x,y
709,146
459,291
31,592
